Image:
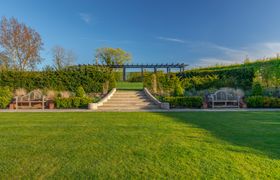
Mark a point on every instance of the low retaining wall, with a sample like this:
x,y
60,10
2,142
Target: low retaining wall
x,y
94,106
162,105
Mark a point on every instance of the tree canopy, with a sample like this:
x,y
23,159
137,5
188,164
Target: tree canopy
x,y
112,56
62,57
21,44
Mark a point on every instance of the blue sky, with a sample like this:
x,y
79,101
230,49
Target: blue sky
x,y
196,32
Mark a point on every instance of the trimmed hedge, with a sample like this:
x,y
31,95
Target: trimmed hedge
x,y
91,78
263,102
240,77
72,102
184,102
5,97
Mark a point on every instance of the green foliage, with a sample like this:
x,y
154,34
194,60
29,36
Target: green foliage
x,y
203,79
6,96
72,102
178,90
91,78
112,56
263,102
257,89
164,84
80,92
184,102
76,101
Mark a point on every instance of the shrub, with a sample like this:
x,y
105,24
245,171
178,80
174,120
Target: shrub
x,y
6,96
51,94
20,92
186,102
76,101
257,89
72,102
178,90
65,94
262,102
85,101
80,92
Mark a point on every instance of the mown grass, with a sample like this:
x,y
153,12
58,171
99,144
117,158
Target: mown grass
x,y
130,85
187,145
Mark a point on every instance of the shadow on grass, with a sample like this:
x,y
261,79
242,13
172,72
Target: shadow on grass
x,y
257,130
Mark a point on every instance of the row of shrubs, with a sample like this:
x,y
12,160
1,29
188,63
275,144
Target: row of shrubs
x,y
72,102
184,102
263,102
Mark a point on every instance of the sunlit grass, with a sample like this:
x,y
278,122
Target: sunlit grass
x,y
130,85
219,145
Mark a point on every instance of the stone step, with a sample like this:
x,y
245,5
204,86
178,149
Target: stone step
x,y
128,100
127,105
127,108
129,95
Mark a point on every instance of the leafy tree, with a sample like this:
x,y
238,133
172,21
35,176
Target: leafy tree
x,y
112,56
21,44
63,58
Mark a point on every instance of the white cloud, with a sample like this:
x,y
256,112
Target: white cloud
x,y
225,55
86,17
203,62
176,40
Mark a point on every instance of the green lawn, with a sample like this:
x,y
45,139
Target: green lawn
x,y
130,85
231,145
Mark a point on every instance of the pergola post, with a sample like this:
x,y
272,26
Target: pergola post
x,y
142,73
124,74
168,70
155,69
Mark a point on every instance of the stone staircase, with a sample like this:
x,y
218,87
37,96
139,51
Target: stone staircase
x,y
128,100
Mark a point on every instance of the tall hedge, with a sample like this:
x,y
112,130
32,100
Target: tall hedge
x,y
91,78
241,77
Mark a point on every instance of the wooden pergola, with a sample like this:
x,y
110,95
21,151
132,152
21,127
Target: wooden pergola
x,y
155,67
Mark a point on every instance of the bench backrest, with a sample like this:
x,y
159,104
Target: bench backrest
x,y
32,96
224,95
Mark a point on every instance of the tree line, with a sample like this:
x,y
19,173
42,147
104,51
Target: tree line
x,y
20,47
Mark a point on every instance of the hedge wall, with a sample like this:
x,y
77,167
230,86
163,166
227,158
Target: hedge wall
x,y
235,77
91,78
262,102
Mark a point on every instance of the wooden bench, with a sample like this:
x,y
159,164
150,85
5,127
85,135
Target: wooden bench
x,y
223,98
34,99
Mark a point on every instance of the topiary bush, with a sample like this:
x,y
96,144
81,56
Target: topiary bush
x,y
80,92
6,96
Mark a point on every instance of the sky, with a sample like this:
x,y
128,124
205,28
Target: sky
x,y
195,32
